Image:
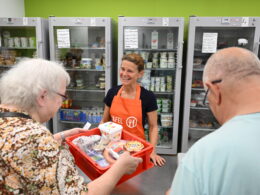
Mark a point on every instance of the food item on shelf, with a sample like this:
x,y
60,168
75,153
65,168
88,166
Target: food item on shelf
x,y
2,60
86,63
67,103
193,103
197,84
193,124
134,146
197,61
154,40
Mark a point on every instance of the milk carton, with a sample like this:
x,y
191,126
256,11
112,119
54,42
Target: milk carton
x,y
111,130
154,41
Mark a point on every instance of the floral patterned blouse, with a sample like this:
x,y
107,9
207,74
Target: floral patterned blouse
x,y
33,162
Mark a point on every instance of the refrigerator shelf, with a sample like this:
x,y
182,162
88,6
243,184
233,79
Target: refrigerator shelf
x,y
19,48
87,90
161,69
72,122
163,50
201,129
198,69
164,146
163,93
199,108
83,48
198,89
169,127
84,69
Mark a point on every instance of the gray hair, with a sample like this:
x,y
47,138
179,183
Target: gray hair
x,y
231,64
21,85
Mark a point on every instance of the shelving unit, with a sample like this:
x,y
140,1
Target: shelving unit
x,y
198,120
83,45
163,64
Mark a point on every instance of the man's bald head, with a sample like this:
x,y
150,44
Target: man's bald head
x,y
231,64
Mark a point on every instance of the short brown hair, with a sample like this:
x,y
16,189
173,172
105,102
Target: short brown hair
x,y
136,59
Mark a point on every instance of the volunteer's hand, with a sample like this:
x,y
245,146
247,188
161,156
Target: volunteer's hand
x,y
128,162
157,160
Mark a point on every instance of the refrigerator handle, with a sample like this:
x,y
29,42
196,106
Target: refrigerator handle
x,y
179,48
39,48
256,47
108,50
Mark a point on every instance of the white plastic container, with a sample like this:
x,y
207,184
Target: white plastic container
x,y
111,130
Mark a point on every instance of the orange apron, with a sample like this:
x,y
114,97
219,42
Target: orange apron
x,y
128,112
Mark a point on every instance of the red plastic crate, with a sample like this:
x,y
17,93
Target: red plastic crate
x,y
93,170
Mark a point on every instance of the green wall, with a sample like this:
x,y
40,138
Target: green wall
x,y
139,8
164,8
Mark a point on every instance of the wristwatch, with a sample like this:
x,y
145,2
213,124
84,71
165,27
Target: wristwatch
x,y
62,136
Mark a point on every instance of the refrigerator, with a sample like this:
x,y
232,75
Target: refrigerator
x,y
83,46
159,40
206,36
22,38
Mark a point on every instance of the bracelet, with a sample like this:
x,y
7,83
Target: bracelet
x,y
62,136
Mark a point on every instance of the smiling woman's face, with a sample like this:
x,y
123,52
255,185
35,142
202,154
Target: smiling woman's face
x,y
129,73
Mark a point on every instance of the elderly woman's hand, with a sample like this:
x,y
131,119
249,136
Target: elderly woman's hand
x,y
128,163
62,135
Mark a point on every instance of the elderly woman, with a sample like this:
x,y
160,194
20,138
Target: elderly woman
x,y
32,160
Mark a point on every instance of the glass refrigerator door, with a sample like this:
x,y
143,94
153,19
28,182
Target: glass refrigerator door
x,y
81,49
159,47
16,43
207,41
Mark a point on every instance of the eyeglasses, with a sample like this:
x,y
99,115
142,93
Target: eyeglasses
x,y
64,97
213,82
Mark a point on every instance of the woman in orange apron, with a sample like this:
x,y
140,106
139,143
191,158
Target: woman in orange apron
x,y
130,105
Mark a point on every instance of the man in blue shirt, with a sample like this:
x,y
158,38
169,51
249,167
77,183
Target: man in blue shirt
x,y
227,161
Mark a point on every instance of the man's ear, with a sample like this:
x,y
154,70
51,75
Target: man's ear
x,y
41,98
216,95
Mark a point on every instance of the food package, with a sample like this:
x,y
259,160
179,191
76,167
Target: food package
x,y
111,131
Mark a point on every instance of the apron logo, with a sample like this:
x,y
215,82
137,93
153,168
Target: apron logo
x,y
131,122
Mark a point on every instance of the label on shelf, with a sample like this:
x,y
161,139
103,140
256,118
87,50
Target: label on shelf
x,y
165,21
63,38
25,21
131,38
92,21
209,43
245,21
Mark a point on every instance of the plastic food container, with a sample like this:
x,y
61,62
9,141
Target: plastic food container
x,y
111,130
93,170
